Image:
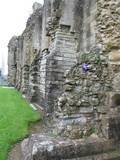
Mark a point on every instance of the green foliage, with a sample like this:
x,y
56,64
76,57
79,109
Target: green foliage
x,y
88,133
84,58
91,58
97,59
15,115
91,131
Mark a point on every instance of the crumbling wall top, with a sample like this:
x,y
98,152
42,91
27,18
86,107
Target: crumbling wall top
x,y
36,6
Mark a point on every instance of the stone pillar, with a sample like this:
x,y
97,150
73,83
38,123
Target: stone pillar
x,y
56,63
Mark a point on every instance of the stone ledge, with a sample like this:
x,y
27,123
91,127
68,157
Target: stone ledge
x,y
45,147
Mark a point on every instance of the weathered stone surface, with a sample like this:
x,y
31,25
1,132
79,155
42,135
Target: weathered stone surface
x,y
36,6
42,148
114,56
39,72
79,112
67,60
23,50
12,46
108,23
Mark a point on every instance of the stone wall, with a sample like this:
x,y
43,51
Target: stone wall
x,y
70,31
85,24
67,61
108,24
49,47
25,50
58,51
44,52
12,60
90,101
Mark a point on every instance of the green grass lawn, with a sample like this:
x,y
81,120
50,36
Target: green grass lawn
x,y
15,115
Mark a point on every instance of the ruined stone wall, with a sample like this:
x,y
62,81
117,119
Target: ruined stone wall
x,y
64,30
19,56
108,24
94,82
85,24
101,97
54,35
31,47
68,62
58,49
45,51
25,51
108,31
12,47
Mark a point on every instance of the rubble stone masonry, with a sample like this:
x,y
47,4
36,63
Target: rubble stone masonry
x,y
68,62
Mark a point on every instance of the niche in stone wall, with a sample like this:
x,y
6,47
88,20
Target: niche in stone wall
x,y
116,100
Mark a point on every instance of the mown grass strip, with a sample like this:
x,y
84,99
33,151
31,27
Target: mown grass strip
x,y
15,116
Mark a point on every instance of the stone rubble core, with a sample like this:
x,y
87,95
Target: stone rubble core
x,y
68,62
